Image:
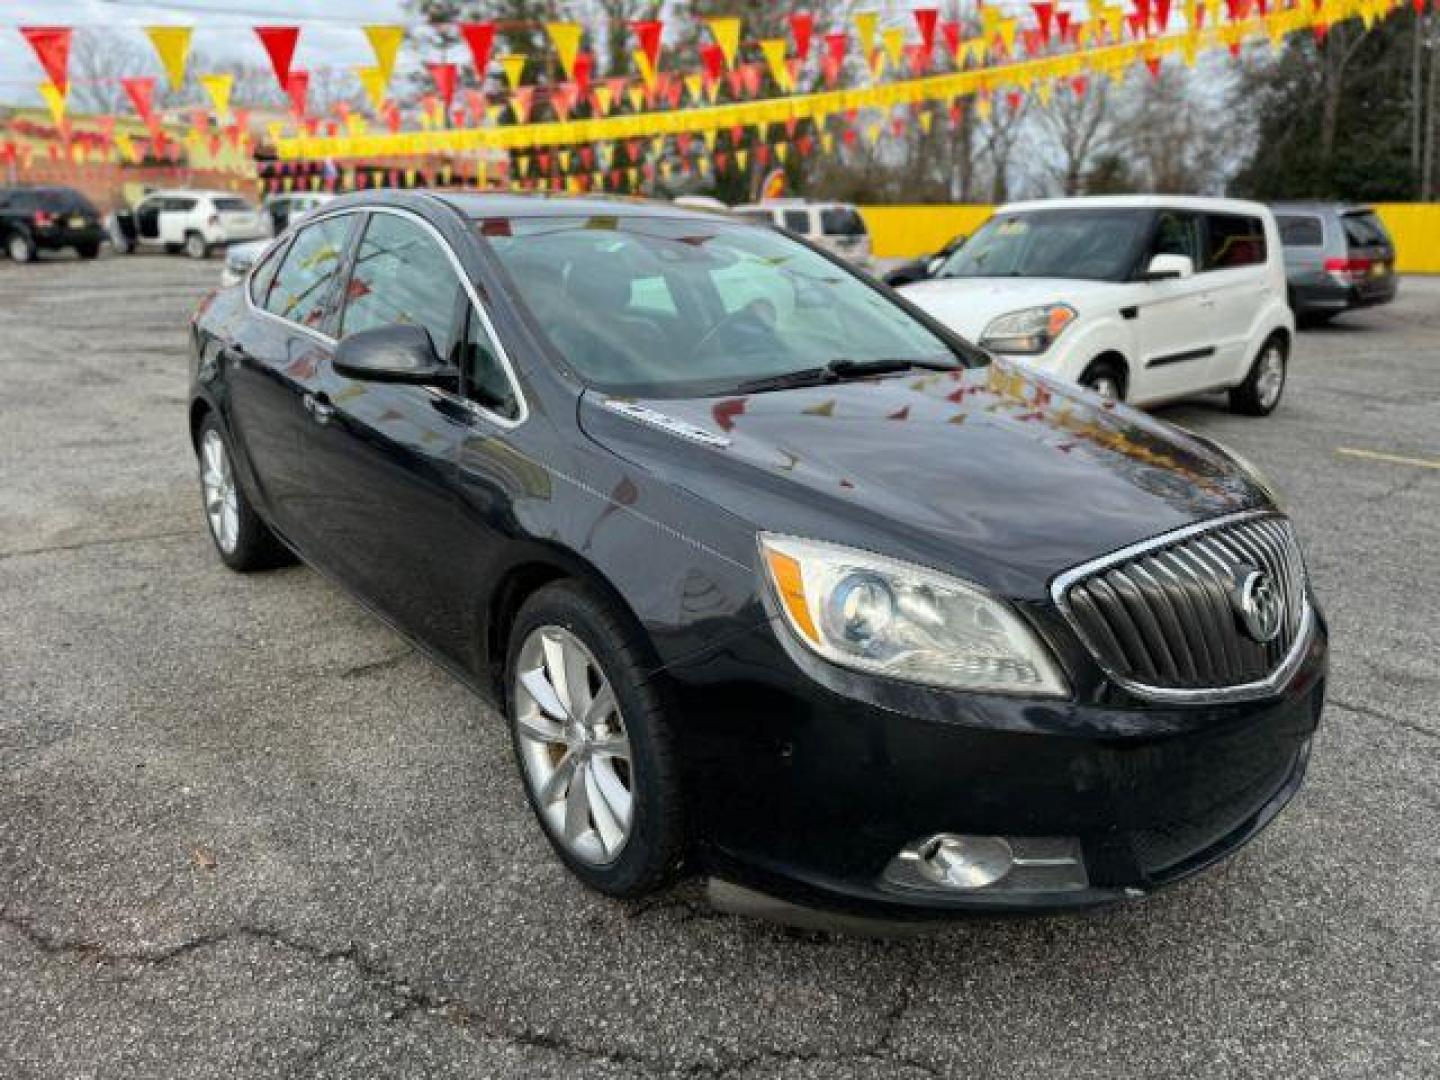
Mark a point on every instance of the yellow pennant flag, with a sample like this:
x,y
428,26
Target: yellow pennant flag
x,y
566,38
604,99
894,42
742,158
172,45
647,69
782,151
127,148
275,129
726,32
636,94
1008,28
774,50
865,24
385,42
55,100
219,87
695,88
513,64
375,82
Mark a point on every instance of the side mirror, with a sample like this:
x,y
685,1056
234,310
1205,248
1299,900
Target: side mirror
x,y
1167,267
402,353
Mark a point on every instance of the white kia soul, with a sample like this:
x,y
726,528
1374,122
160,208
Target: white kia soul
x,y
1140,298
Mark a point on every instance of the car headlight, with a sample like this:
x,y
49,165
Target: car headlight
x,y
1028,332
892,618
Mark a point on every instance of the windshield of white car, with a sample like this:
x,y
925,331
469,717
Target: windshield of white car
x,y
1093,244
686,307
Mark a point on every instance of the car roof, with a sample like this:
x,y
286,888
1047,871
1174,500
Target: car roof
x,y
477,204
195,193
1177,202
1316,205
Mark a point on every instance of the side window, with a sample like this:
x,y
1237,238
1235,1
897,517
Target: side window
x,y
1303,231
1234,241
1178,234
181,205
264,274
798,221
484,376
401,275
302,284
841,221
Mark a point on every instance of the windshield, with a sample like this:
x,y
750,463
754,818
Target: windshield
x,y
680,307
1096,244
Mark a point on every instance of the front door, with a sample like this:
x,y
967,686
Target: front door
x,y
147,219
1174,322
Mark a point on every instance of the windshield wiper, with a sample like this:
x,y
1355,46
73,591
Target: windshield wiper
x,y
838,371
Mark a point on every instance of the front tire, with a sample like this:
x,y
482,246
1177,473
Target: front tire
x,y
1260,393
243,540
1105,378
88,251
196,247
20,247
592,742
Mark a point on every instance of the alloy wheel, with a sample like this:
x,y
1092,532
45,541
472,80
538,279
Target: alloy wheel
x,y
1271,378
217,481
1106,387
18,249
573,745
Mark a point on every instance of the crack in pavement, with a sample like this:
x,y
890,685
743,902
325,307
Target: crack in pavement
x,y
114,541
411,1000
1376,714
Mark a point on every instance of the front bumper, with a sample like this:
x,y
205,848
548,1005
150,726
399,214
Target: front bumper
x,y
804,793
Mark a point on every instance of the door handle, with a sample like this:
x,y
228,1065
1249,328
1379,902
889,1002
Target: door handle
x,y
319,408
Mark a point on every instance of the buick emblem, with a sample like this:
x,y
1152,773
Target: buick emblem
x,y
1257,603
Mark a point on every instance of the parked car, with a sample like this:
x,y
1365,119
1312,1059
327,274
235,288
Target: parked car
x,y
1337,256
798,589
1141,298
837,227
925,267
281,210
239,258
194,222
36,219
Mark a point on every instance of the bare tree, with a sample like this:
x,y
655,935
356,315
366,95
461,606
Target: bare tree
x,y
1074,128
999,133
1176,140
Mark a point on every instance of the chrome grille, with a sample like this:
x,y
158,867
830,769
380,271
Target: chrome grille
x,y
1160,619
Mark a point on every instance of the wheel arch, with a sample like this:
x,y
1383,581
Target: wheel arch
x,y
1116,358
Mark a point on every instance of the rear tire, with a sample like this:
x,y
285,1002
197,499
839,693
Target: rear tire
x,y
1106,378
88,251
20,246
626,840
243,540
1263,387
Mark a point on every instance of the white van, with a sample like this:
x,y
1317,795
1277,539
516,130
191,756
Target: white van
x,y
1140,298
837,227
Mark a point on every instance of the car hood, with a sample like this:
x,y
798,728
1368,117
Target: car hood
x,y
996,473
969,305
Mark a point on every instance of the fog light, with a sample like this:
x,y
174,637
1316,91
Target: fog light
x,y
1023,864
966,862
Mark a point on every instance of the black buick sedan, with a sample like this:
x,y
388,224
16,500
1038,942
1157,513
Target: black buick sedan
x,y
771,575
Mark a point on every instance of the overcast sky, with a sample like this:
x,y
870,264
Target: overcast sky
x,y
330,34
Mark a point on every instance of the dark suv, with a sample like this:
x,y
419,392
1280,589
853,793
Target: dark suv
x,y
1337,257
48,219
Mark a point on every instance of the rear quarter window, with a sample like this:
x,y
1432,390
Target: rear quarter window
x,y
841,221
798,221
1300,230
1364,229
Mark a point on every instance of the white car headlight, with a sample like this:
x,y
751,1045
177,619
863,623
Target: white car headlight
x,y
892,618
1028,332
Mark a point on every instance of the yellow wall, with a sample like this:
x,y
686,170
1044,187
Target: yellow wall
x,y
903,232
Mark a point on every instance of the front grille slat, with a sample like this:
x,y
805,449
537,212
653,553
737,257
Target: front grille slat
x,y
1163,617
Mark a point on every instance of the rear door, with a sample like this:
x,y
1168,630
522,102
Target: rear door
x,y
1238,278
1174,319
1303,237
273,364
1370,251
177,217
239,219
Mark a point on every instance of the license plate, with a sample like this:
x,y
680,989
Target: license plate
x,y
1379,269
77,223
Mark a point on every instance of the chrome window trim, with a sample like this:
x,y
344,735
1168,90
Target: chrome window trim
x,y
508,423
1271,684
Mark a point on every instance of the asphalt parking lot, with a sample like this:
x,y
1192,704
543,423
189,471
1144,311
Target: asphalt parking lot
x,y
245,831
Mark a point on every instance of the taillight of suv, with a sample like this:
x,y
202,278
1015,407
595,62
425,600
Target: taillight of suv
x,y
44,219
1350,271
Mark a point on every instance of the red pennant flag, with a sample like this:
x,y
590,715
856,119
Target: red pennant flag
x,y
1044,17
712,62
279,42
1153,64
918,58
1142,12
1136,25
481,39
926,19
830,69
736,82
1161,14
1062,24
141,91
445,76
1078,85
584,68
835,45
802,28
647,33
297,85
52,49
1033,42
750,75
950,32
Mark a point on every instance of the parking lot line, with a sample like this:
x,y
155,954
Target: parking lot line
x,y
1394,459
